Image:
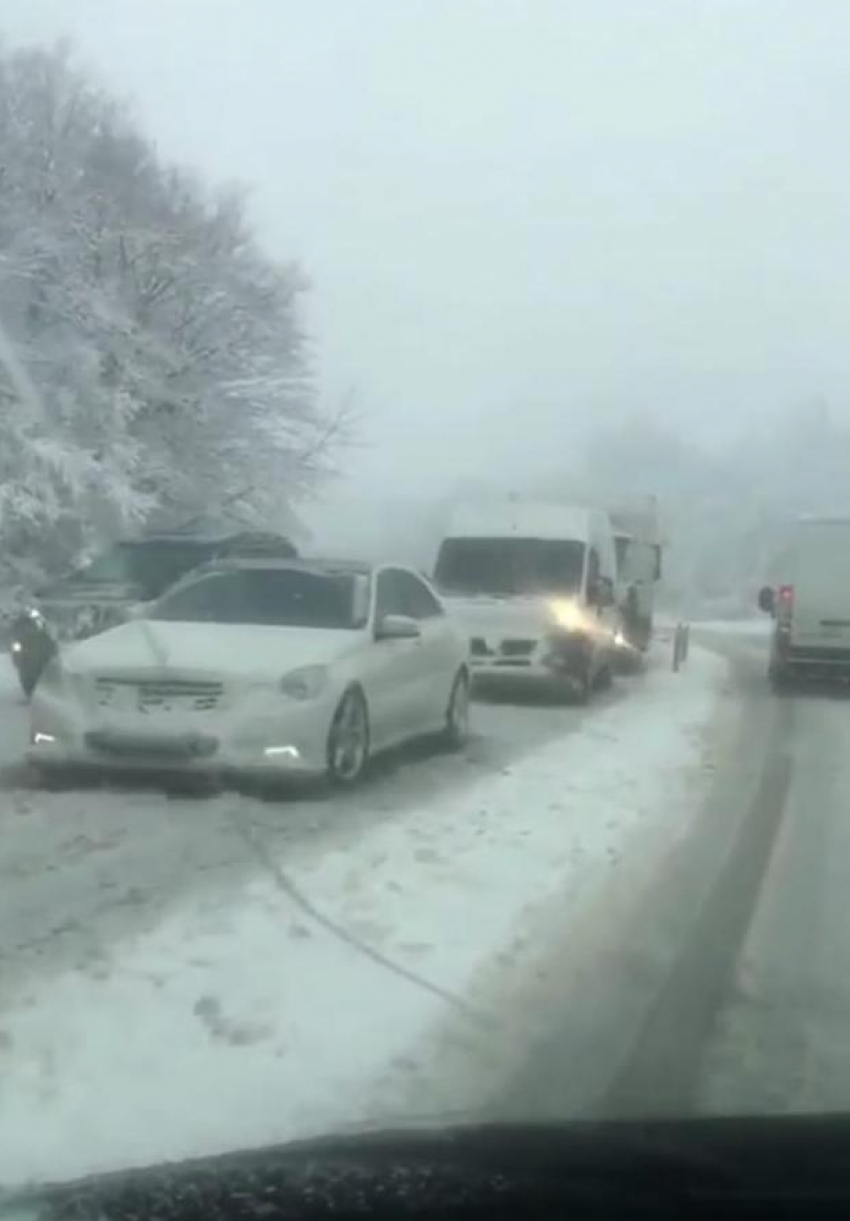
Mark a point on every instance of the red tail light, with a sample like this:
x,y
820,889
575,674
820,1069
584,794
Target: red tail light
x,y
786,600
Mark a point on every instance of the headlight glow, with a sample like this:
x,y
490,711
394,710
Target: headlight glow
x,y
306,683
16,646
568,614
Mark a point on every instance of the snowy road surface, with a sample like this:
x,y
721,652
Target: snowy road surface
x,y
258,970
80,869
740,972
635,909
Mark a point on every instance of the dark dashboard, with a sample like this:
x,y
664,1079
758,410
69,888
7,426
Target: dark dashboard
x,y
785,1167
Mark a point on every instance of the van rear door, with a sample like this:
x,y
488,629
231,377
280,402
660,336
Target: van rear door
x,y
819,574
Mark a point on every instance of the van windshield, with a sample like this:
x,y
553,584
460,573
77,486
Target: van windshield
x,y
508,566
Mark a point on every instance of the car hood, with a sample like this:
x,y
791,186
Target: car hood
x,y
228,650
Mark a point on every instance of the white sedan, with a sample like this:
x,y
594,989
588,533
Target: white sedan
x,y
269,666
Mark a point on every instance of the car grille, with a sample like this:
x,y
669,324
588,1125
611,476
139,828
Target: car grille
x,y
509,651
158,695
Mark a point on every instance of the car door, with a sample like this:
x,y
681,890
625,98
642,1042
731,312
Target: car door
x,y
394,667
437,659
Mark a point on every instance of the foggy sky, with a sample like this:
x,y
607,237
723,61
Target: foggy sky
x,y
539,208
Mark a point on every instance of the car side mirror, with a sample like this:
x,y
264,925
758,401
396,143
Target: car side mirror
x,y
397,627
767,600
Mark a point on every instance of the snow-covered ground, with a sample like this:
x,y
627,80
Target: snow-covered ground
x,y
320,994
737,627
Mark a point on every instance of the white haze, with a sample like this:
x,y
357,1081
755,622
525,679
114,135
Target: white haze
x,y
519,216
529,224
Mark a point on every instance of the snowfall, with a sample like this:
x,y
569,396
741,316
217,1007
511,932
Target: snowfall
x,y
381,980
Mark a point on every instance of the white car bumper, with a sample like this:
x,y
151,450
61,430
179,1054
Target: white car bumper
x,y
281,737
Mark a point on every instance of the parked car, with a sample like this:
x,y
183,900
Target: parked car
x,y
810,602
265,666
534,584
120,581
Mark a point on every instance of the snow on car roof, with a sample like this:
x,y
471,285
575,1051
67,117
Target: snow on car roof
x,y
310,563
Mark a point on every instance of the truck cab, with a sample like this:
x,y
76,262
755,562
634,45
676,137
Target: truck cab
x,y
534,583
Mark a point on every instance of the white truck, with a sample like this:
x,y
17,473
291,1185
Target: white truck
x,y
534,582
638,544
809,601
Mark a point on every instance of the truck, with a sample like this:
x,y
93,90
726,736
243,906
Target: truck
x,y
534,584
809,602
638,546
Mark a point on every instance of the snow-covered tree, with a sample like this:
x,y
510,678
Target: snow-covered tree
x,y
153,359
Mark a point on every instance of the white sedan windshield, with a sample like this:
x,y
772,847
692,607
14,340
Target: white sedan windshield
x,y
286,597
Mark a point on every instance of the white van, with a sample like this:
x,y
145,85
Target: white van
x,y
810,602
534,583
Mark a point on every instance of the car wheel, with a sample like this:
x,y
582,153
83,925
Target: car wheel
x,y
604,677
581,686
456,730
348,740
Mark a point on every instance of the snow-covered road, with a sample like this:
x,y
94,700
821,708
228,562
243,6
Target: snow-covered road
x,y
258,970
82,869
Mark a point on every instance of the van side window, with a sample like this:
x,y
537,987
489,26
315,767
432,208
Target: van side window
x,y
593,566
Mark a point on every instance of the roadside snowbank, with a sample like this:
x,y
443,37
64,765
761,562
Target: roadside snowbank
x,y
760,628
242,1023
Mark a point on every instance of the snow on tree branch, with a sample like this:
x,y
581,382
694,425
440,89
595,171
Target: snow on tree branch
x,y
165,348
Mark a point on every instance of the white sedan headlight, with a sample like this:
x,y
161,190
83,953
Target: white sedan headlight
x,y
306,683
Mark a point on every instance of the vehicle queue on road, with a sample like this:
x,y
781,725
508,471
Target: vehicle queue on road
x,y
263,662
